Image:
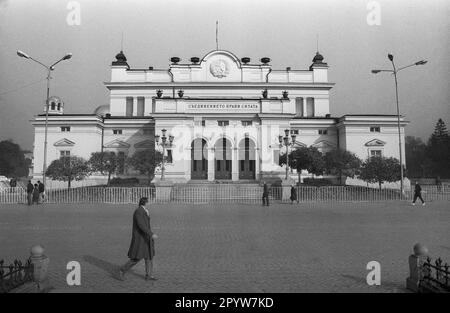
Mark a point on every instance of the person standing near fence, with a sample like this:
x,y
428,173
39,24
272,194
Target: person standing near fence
x,y
36,194
265,197
293,194
142,242
41,191
417,194
30,192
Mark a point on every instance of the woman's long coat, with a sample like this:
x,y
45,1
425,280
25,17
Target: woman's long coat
x,y
142,245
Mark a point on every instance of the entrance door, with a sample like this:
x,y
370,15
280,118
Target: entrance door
x,y
199,159
223,159
247,159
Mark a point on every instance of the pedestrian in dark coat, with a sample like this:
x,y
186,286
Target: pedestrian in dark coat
x,y
30,192
41,191
293,194
36,194
418,194
142,242
265,197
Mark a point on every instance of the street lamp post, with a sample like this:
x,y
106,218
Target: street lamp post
x,y
285,141
164,144
395,71
49,71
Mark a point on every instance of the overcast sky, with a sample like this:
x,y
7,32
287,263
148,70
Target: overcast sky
x,y
285,31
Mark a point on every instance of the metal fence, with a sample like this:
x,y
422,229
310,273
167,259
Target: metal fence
x,y
222,193
14,274
435,276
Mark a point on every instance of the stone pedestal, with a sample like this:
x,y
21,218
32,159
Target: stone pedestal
x,y
415,262
163,190
40,267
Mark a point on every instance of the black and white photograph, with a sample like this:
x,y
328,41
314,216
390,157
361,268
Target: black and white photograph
x,y
224,152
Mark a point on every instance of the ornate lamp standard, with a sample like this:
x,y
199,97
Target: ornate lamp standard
x,y
164,143
49,72
395,71
286,142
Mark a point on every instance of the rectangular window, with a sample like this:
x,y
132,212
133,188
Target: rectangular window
x,y
121,162
294,131
310,107
276,157
169,156
299,106
323,131
65,129
64,154
129,107
117,131
203,123
246,123
140,106
375,129
374,153
223,123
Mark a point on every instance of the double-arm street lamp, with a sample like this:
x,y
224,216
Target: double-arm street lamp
x,y
164,143
49,71
286,142
395,71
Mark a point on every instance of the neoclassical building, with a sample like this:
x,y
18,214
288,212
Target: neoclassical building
x,y
225,115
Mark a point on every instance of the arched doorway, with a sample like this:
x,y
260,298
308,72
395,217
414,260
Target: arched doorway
x,y
199,159
247,159
223,157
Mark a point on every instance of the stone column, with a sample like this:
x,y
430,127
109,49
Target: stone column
x,y
134,106
211,164
304,107
235,164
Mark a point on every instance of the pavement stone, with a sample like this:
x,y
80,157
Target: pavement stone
x,y
307,247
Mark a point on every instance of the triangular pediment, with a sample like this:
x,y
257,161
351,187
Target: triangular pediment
x,y
145,144
375,143
323,144
299,144
117,144
64,143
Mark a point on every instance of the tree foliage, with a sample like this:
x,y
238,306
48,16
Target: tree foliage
x,y
379,169
305,158
339,162
68,169
145,161
104,162
12,160
438,150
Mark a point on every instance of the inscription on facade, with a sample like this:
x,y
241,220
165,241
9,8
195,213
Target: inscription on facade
x,y
214,107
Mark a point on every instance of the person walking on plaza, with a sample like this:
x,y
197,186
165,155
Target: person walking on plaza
x,y
41,191
30,192
418,194
36,194
265,197
142,242
293,194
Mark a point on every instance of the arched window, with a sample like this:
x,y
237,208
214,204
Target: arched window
x,y
59,106
52,105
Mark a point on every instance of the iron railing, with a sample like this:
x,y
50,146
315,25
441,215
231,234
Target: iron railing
x,y
15,275
223,193
435,276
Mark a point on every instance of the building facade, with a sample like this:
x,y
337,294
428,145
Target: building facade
x,y
225,116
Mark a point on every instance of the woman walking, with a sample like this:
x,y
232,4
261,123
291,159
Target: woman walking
x,y
142,242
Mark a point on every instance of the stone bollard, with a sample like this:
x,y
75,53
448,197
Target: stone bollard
x,y
40,267
415,266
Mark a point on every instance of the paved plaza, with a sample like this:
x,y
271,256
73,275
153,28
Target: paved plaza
x,y
231,248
